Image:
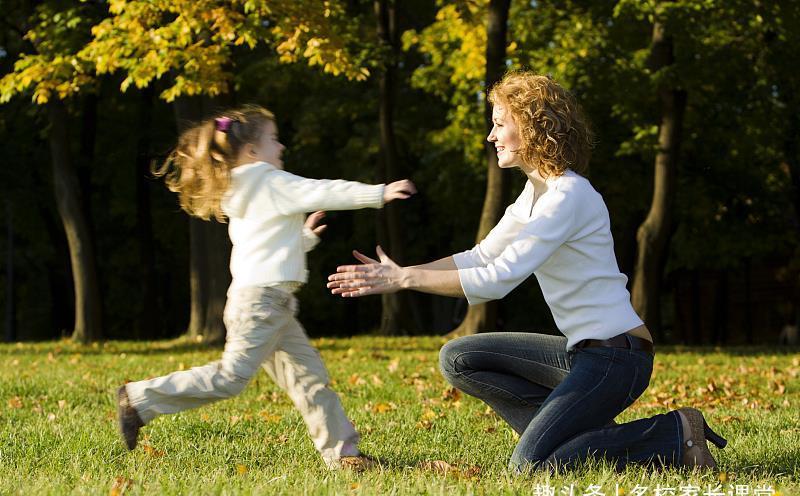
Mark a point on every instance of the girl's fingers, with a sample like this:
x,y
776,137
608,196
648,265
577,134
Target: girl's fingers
x,y
318,230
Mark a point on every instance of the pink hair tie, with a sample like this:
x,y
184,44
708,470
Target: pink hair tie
x,y
223,124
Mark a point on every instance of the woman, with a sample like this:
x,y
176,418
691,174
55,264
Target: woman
x,y
560,394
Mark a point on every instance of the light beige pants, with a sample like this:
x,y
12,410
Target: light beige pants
x,y
261,331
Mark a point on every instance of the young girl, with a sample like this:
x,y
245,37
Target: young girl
x,y
230,167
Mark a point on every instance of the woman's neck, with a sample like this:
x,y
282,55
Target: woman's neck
x,y
539,182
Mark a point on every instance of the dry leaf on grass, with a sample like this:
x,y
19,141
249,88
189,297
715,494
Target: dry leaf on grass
x,y
152,451
269,417
437,466
380,407
120,485
356,380
15,402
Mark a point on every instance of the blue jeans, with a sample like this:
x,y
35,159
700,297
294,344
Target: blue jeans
x,y
563,404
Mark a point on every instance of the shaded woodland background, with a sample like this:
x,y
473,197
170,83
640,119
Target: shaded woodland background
x,y
694,103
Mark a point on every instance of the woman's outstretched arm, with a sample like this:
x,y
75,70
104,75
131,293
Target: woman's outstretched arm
x,y
385,276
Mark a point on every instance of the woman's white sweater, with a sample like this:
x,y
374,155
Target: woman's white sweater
x,y
564,238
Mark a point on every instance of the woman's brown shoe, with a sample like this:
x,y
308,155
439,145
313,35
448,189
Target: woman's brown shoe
x,y
695,452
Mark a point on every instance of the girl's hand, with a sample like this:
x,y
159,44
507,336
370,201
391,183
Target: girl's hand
x,y
398,190
373,277
313,220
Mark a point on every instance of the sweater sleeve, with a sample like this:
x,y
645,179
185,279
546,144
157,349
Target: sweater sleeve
x,y
292,194
499,237
310,240
552,225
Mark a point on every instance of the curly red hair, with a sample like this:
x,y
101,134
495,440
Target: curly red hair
x,y
554,131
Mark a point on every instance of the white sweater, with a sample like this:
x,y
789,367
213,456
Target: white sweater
x,y
266,209
564,238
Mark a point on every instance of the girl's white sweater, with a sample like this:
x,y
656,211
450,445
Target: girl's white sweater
x,y
266,209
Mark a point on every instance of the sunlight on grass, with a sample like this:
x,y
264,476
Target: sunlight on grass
x,y
58,431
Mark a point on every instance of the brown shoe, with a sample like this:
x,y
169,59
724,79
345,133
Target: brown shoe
x,y
358,463
128,418
695,448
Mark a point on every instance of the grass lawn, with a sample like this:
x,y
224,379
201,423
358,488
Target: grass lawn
x,y
58,432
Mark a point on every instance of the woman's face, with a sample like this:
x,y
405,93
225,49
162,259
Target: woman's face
x,y
505,138
268,149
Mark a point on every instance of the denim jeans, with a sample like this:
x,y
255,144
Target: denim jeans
x,y
562,403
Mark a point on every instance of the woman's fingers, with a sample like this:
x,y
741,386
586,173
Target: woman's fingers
x,y
381,254
351,268
363,258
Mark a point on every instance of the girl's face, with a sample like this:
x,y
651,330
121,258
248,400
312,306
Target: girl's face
x,y
505,137
268,149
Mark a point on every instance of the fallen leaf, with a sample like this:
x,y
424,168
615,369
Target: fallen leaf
x,y
376,380
51,416
356,380
15,402
437,466
393,365
269,417
381,407
451,394
152,451
62,403
241,469
120,485
472,471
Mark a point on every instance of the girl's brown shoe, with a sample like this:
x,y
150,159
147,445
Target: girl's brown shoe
x,y
128,418
358,463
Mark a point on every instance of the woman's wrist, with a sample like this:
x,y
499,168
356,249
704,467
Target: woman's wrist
x,y
407,277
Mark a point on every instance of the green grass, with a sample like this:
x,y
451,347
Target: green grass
x,y
58,434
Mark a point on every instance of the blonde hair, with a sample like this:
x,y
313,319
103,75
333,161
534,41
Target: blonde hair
x,y
555,134
199,168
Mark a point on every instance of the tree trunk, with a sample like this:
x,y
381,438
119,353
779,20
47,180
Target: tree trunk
x,y
209,276
654,233
483,317
88,306
11,320
148,325
397,312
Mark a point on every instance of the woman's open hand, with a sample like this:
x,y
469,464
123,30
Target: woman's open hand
x,y
372,277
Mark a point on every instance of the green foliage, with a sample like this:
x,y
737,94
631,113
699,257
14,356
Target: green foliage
x,y
194,40
454,50
58,30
